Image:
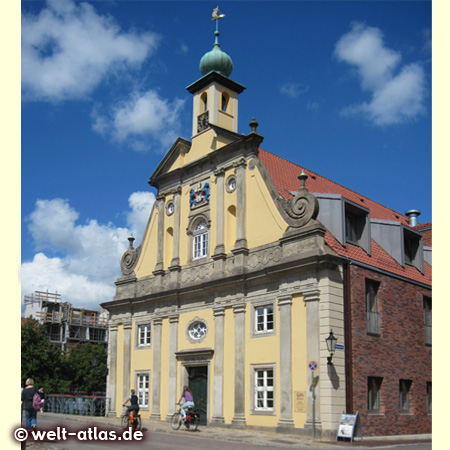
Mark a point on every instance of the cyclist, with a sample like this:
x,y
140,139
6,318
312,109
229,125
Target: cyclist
x,y
134,403
188,401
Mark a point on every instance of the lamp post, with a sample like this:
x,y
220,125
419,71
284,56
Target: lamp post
x,y
331,346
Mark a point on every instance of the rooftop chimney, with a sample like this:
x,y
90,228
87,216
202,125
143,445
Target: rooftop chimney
x,y
413,214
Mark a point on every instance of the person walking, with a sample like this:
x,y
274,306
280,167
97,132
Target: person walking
x,y
27,404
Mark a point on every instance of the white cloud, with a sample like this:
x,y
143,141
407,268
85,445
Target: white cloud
x,y
89,254
292,89
141,204
140,120
397,93
69,48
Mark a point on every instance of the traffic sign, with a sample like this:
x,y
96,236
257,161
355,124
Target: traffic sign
x,y
312,365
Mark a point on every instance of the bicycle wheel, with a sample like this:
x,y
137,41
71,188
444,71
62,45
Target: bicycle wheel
x,y
176,421
125,422
195,421
137,424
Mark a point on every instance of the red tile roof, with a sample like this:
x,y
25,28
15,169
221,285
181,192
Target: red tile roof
x,y
425,231
285,174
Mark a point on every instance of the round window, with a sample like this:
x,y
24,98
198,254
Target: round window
x,y
197,331
231,184
170,208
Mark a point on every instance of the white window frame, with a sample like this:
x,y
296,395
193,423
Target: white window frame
x,y
200,240
263,311
265,392
143,389
147,328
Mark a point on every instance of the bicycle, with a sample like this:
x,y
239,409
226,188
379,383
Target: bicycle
x,y
190,422
133,422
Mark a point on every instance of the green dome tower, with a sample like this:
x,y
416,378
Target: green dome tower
x,y
216,60
215,94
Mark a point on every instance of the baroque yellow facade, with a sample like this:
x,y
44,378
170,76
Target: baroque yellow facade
x,y
232,290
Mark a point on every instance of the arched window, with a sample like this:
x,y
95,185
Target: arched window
x,y
204,101
200,240
225,100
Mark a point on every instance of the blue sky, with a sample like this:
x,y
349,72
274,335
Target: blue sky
x,y
340,87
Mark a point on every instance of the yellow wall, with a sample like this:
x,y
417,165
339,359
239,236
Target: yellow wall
x,y
261,210
184,319
147,260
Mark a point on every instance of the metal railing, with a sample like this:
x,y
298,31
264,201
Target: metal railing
x,y
80,405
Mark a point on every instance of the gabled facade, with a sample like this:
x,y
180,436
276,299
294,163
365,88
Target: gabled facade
x,y
246,265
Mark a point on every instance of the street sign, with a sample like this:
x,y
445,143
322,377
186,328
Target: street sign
x,y
312,365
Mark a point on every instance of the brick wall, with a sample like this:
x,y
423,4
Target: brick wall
x,y
399,352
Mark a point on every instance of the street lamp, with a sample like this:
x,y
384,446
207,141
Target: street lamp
x,y
331,346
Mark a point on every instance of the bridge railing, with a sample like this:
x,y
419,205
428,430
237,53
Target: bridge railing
x,y
80,405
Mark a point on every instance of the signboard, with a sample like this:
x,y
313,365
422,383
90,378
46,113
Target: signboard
x,y
339,347
300,401
347,426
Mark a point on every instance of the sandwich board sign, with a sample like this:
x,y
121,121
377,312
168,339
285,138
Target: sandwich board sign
x,y
347,426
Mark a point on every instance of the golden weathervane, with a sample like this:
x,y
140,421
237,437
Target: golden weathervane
x,y
217,14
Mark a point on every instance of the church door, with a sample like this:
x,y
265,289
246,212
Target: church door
x,y
198,384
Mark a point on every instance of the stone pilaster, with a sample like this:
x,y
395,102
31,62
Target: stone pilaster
x,y
219,251
112,371
219,340
159,268
126,360
173,348
285,326
241,208
175,263
156,372
239,363
311,299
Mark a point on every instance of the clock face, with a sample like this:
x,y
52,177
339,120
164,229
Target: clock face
x,y
202,121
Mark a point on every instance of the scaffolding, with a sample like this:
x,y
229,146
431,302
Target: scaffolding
x,y
67,326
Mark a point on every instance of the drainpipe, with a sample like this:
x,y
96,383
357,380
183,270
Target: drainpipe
x,y
348,339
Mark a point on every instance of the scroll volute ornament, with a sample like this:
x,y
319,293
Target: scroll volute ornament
x,y
303,207
129,258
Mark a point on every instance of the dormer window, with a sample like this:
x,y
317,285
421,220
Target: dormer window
x,y
354,226
357,226
412,243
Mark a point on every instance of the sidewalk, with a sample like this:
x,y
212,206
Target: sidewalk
x,y
256,437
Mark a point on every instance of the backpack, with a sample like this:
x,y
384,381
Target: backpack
x,y
37,402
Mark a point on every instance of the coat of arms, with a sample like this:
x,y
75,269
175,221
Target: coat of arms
x,y
199,196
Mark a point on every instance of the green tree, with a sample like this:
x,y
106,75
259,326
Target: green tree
x,y
42,360
87,364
